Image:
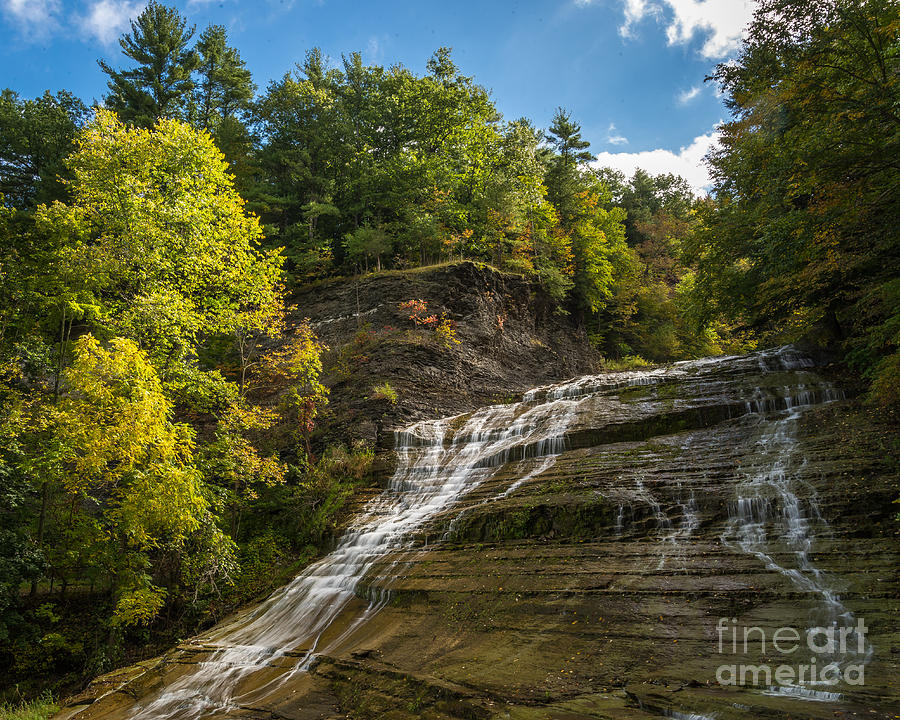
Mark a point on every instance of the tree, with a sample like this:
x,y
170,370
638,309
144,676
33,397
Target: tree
x,y
121,454
564,176
155,219
21,559
598,246
804,233
299,361
301,159
225,88
565,138
366,242
595,229
35,137
160,84
232,460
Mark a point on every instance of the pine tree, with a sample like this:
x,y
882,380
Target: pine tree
x,y
225,88
160,84
565,136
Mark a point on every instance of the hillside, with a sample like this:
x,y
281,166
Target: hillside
x,y
574,557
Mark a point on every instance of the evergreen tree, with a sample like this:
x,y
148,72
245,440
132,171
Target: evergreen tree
x,y
225,88
565,137
35,137
564,179
160,84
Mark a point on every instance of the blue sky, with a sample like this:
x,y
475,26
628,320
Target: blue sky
x,y
630,71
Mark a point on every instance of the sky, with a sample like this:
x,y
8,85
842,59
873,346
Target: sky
x,y
631,72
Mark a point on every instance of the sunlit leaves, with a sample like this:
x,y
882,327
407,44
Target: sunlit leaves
x,y
155,221
119,448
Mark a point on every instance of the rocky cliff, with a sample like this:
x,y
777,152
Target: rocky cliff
x,y
511,337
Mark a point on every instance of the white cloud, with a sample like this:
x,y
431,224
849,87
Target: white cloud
x,y
685,96
612,138
687,162
721,21
635,11
106,20
35,18
373,48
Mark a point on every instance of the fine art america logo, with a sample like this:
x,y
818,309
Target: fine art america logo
x,y
833,654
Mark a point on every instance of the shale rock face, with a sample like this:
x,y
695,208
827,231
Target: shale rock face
x,y
511,338
594,551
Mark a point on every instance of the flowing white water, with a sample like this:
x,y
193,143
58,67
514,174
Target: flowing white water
x,y
769,520
438,462
671,546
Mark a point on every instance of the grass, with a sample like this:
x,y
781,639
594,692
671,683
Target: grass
x,y
629,362
39,709
399,272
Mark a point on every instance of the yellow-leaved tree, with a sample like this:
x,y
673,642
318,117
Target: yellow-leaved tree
x,y
124,462
173,254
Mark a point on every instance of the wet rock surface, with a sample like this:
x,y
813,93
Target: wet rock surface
x,y
581,565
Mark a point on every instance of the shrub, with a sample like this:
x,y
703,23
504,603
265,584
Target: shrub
x,y
629,362
384,392
39,709
445,332
444,328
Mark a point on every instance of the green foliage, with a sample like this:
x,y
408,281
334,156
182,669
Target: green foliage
x,y
35,137
384,391
565,137
115,440
367,242
629,362
225,88
20,559
138,606
803,234
323,490
365,166
299,362
156,233
233,462
160,83
40,709
306,510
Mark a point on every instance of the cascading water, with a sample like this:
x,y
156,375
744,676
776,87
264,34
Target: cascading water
x,y
770,521
440,461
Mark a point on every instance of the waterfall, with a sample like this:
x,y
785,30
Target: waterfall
x,y
440,461
770,521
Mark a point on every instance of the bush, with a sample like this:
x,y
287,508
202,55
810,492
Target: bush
x,y
629,362
445,332
384,392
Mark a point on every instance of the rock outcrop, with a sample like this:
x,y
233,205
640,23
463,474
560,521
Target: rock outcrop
x,y
511,335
